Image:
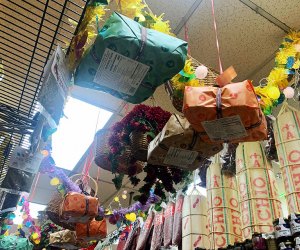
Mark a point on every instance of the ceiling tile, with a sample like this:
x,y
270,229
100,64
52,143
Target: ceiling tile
x,y
174,10
286,11
246,39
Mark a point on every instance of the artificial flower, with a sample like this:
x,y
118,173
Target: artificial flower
x,y
131,8
285,53
160,25
278,77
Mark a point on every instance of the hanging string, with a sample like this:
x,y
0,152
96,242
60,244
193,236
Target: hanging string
x,y
186,38
216,34
90,157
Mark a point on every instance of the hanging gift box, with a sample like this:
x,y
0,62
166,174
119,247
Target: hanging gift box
x,y
63,239
230,113
223,212
194,222
258,190
179,145
287,139
78,208
187,77
130,61
93,230
13,242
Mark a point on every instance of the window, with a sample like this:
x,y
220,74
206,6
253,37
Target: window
x,y
76,132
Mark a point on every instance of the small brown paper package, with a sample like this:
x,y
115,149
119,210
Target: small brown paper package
x,y
179,145
63,239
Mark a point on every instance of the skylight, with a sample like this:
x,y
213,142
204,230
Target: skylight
x,y
76,131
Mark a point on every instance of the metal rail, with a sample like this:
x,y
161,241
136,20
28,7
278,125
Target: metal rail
x,y
29,33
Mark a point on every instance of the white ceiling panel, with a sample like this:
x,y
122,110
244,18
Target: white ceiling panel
x,y
246,38
287,11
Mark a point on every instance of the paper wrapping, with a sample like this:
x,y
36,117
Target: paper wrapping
x,y
287,139
236,99
13,242
224,223
179,134
165,55
194,222
177,223
131,241
168,224
258,190
79,208
64,239
145,232
94,230
158,231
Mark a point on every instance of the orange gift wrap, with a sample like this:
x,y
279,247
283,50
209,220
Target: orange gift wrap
x,y
79,208
94,230
258,191
224,223
231,113
287,140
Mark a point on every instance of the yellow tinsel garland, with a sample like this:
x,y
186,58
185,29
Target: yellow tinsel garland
x,y
287,61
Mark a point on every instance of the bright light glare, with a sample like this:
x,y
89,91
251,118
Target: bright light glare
x,y
34,209
76,132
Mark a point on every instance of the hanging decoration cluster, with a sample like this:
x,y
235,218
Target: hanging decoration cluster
x,y
287,63
96,10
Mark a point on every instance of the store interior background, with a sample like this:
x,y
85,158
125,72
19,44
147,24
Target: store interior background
x,y
249,35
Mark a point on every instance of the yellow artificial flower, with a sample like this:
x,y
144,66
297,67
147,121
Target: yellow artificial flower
x,y
296,64
178,85
195,83
161,25
283,55
278,77
294,36
188,68
131,8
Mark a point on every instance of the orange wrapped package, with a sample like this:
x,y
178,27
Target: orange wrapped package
x,y
94,230
79,208
230,113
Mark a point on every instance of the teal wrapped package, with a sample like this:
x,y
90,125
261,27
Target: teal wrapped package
x,y
13,242
129,61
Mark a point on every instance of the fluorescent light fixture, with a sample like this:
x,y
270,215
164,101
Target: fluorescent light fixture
x,y
76,132
34,209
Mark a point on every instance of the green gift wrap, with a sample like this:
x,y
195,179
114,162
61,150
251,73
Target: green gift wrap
x,y
13,242
129,61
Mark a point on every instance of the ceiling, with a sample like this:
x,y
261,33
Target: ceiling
x,y
249,34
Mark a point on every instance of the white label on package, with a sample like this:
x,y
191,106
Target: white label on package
x,y
120,73
22,159
227,128
180,157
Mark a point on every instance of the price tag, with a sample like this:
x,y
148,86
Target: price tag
x,y
180,157
224,129
120,73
